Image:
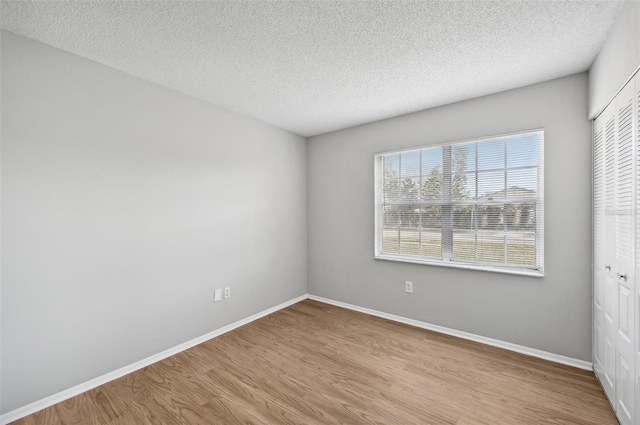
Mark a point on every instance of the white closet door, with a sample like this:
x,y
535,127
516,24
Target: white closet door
x,y
624,264
609,303
616,226
598,248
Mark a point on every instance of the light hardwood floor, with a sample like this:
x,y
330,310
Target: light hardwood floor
x,y
313,363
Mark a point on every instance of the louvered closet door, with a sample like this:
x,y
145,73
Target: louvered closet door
x,y
609,301
616,226
624,264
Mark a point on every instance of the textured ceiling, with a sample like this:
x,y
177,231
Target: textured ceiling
x,y
318,66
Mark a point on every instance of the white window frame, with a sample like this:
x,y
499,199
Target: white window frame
x,y
447,217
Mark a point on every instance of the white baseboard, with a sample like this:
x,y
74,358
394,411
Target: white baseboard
x,y
21,412
581,364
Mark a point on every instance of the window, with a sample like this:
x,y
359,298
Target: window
x,y
475,204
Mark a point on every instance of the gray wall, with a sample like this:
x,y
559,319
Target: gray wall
x,y
124,204
551,313
618,58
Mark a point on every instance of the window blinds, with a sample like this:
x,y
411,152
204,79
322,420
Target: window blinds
x,y
476,203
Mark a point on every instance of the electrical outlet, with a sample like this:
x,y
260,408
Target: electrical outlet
x,y
408,287
227,293
217,296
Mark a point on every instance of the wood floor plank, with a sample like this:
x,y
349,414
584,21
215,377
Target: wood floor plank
x,y
46,416
79,410
317,364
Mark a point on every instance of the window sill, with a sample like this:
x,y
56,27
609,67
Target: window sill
x,y
452,264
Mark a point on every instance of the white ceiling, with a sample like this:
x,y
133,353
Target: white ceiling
x,y
316,66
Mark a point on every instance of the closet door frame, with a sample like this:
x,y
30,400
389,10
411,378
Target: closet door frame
x,y
636,96
598,249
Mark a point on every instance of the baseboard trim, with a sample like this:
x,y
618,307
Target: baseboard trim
x,y
21,412
557,358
